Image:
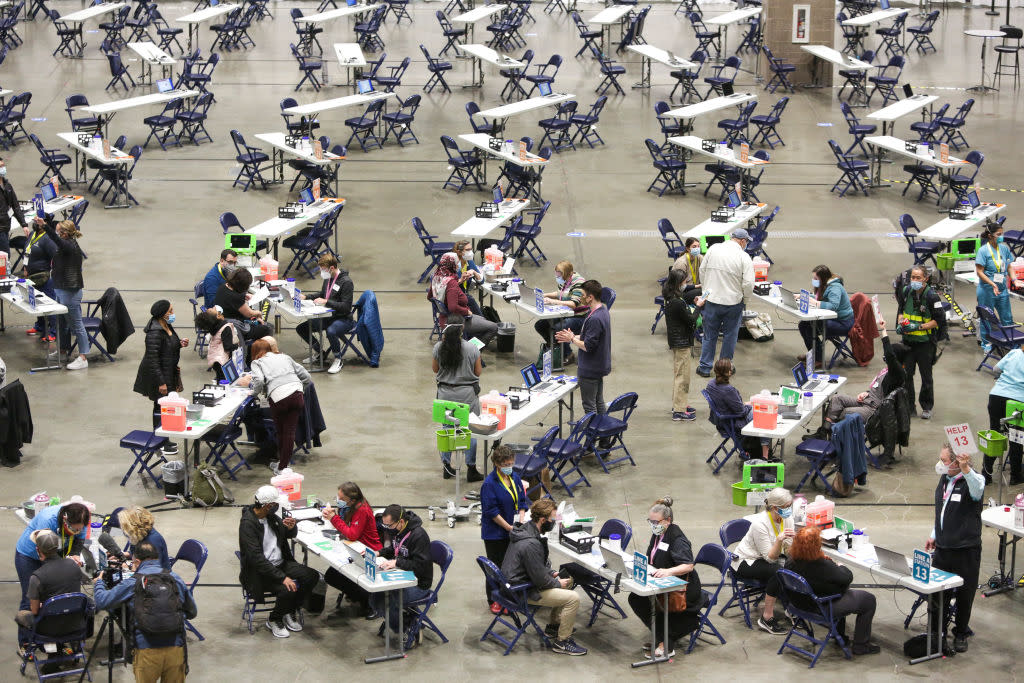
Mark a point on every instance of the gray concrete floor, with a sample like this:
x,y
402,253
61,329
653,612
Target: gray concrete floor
x,y
379,433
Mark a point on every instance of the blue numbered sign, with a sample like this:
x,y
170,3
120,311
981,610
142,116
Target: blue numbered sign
x,y
640,568
371,564
297,300
31,297
538,300
805,300
547,363
922,566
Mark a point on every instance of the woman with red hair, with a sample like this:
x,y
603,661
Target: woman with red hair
x,y
828,578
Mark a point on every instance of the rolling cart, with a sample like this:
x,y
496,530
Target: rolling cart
x,y
454,437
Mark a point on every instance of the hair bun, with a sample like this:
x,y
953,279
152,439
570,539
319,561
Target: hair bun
x,y
666,500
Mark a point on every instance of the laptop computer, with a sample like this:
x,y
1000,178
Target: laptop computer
x,y
892,560
164,85
734,199
545,90
364,86
615,562
883,4
351,3
230,371
49,194
531,376
972,199
306,196
800,376
727,89
788,298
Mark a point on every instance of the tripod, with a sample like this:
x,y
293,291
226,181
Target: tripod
x,y
109,623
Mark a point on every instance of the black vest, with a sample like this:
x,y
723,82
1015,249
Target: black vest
x,y
56,577
961,527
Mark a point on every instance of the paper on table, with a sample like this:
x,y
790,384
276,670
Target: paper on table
x,y
261,294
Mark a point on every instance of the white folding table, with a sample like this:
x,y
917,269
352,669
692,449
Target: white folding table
x,y
785,428
532,164
888,115
351,60
280,148
116,158
744,215
948,229
106,111
475,228
90,12
482,53
501,114
275,228
727,156
474,15
151,55
1000,518
44,307
607,18
285,308
311,112
888,143
648,54
729,18
194,19
824,53
813,315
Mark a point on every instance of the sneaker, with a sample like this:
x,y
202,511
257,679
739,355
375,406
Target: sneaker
x,y
292,623
868,649
31,331
278,629
169,450
49,339
315,360
703,373
570,359
659,652
274,467
926,414
446,470
335,366
772,626
678,417
78,364
960,643
690,415
568,647
646,649
495,608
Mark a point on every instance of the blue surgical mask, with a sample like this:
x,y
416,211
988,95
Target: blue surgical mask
x,y
170,318
695,251
559,280
916,285
785,513
815,282
507,471
999,239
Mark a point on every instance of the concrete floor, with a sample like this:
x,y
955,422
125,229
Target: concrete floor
x,y
378,431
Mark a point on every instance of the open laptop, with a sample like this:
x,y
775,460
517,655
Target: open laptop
x,y
892,560
230,371
49,194
972,199
545,90
351,3
800,376
788,298
364,86
164,85
734,199
883,4
306,196
615,562
531,375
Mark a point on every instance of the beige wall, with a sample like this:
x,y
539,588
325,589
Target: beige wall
x,y
778,36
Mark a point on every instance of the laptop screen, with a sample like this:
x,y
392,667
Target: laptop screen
x,y
800,374
351,3
908,92
164,84
727,89
306,196
530,375
544,88
214,3
972,198
734,200
48,192
884,4
497,194
230,371
365,85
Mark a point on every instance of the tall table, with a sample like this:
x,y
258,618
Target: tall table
x,y
813,315
44,306
533,165
985,34
280,148
648,54
116,158
194,19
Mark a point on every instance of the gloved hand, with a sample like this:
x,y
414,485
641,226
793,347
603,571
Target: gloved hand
x,y
910,327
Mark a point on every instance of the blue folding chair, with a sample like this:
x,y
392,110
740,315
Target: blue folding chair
x,y
531,465
513,599
565,456
759,235
62,620
250,158
86,124
820,453
892,36
144,446
857,129
400,122
725,73
464,166
706,38
747,594
527,234
118,72
736,129
855,78
1003,338
842,349
251,604
545,73
193,121
922,251
673,242
922,34
436,68
854,171
586,34
611,72
431,249
586,124
731,439
718,558
440,554
193,552
779,70
793,585
927,129
450,33
886,80
367,33
394,79
596,587
685,78
753,38
556,128
162,125
670,125
53,159
959,183
222,437
309,67
952,126
606,427
668,168
766,123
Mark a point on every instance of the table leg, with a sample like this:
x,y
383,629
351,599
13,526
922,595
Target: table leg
x,y
645,72
388,654
193,31
277,165
654,638
46,332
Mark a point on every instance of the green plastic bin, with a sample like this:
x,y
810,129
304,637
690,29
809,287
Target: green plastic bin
x,y
992,443
449,440
945,261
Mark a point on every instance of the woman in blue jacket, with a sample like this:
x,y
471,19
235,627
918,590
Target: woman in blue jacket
x,y
69,522
828,293
137,523
503,502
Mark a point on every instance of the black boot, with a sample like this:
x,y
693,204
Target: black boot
x,y
472,474
446,470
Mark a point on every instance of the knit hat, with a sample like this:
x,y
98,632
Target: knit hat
x,y
46,541
160,308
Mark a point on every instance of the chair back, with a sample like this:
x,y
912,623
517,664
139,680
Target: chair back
x,y
977,158
837,151
442,555
135,153
78,213
608,299
669,236
733,531
498,587
63,616
792,585
616,526
195,553
625,402
718,558
578,435
851,118
654,149
724,422
596,108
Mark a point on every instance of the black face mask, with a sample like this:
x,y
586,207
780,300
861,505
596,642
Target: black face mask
x,y
546,526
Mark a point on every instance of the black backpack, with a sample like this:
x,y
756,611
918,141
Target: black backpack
x,y
159,610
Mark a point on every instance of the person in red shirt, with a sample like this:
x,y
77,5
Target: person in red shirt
x,y
354,520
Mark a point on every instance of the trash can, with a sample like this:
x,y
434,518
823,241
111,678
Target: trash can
x,y
172,473
506,337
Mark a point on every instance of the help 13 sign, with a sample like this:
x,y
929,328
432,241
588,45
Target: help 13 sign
x,y
961,439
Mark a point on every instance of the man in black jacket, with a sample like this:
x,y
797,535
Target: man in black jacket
x,y
268,564
8,202
407,548
336,295
526,561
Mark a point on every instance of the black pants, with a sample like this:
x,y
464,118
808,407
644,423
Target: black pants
x,y
833,328
965,562
996,412
920,355
156,414
290,601
680,624
764,571
545,325
861,603
495,553
349,588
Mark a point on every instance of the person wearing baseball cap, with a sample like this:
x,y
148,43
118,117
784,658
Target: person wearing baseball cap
x,y
268,565
727,275
56,576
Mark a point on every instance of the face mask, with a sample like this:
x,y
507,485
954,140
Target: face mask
x,y
467,256
3,171
916,285
546,526
941,468
559,280
815,283
657,529
785,513
695,251
229,268
171,318
999,239
507,471
325,274
341,505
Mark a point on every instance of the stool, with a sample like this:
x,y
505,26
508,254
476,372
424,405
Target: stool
x,y
144,446
1011,33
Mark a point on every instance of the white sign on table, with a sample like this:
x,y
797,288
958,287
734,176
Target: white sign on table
x,y
961,439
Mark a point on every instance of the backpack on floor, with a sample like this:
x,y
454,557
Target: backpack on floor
x,y
490,313
208,490
556,356
759,327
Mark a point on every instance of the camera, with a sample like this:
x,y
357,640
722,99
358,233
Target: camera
x,y
113,573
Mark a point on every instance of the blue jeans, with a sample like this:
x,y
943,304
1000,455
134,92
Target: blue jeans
x,y
833,328
408,595
25,566
50,321
335,329
1000,304
719,319
72,298
446,456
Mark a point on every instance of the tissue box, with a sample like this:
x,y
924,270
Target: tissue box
x,y
287,212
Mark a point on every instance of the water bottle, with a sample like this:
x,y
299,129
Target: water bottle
x,y
289,284
97,142
808,401
17,292
774,291
842,545
509,146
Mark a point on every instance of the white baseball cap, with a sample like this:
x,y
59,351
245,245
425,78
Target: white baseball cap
x,y
267,494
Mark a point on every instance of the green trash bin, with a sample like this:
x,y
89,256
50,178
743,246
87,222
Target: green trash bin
x,y
992,443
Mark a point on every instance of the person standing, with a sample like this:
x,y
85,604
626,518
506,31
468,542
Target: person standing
x,y
922,324
1009,386
68,284
726,274
39,253
594,345
159,373
681,321
336,294
503,502
992,265
457,367
955,541
8,204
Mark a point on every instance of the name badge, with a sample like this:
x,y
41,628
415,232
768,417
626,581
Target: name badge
x,y
336,288
998,278
955,498
663,546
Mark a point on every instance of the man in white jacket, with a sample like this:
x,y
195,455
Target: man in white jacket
x,y
727,275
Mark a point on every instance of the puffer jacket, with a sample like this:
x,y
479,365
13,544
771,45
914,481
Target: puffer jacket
x,y
67,262
835,298
159,364
681,320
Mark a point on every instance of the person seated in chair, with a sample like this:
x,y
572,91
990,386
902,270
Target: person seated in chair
x,y
408,549
232,297
218,275
726,399
224,338
526,561
353,518
469,273
445,289
758,552
689,265
569,293
56,576
826,578
888,379
830,294
336,294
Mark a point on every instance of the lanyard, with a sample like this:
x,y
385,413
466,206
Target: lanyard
x,y
950,485
32,240
511,489
398,547
654,548
693,272
330,288
63,536
998,262
781,524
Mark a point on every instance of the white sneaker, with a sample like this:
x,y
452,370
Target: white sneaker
x,y
335,366
169,449
78,364
274,467
278,629
292,623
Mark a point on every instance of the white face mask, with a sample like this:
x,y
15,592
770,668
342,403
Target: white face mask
x,y
325,274
467,256
941,468
3,171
